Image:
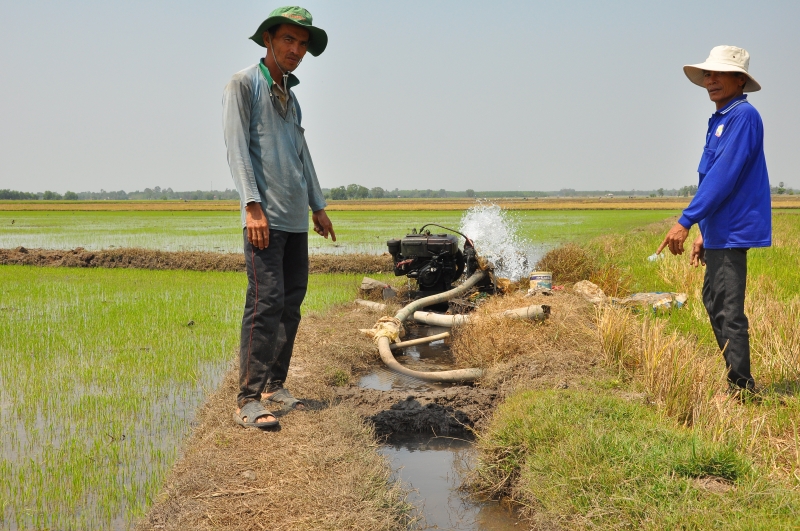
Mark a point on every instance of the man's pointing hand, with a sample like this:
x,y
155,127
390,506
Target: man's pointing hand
x,y
674,239
322,224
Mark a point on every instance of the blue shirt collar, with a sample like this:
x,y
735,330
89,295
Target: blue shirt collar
x,y
733,103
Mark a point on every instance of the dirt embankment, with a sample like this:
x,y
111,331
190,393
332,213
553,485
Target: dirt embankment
x,y
320,470
187,260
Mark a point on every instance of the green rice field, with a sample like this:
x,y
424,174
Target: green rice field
x,y
101,372
356,231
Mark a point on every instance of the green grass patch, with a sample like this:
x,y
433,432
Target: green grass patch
x,y
100,374
591,460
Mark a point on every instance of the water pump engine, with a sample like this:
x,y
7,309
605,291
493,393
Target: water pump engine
x,y
433,260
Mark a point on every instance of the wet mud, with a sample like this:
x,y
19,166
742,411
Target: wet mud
x,y
454,411
181,260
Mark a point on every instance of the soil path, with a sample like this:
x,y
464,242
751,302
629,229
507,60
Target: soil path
x,y
320,470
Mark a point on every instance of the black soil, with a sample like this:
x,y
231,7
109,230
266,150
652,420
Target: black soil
x,y
452,411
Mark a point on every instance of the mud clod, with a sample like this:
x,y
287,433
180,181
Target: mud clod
x,y
453,411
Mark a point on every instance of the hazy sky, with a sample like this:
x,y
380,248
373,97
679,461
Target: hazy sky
x,y
461,94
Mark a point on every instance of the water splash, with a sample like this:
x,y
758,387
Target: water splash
x,y
494,233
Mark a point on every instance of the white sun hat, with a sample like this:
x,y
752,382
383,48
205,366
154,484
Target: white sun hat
x,y
723,59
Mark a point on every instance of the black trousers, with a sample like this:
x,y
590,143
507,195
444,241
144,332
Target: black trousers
x,y
723,296
277,280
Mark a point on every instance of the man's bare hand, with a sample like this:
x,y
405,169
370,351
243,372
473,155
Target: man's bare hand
x,y
674,239
257,226
322,224
698,255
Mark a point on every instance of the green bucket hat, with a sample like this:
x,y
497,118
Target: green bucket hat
x,y
299,17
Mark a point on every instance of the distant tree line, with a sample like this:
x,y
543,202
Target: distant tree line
x,y
355,191
156,193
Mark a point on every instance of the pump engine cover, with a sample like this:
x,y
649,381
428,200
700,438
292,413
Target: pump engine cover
x,y
428,246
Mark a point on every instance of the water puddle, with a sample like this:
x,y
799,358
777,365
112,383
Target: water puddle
x,y
432,468
433,356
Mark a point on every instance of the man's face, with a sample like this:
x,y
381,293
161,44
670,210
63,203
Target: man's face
x,y
289,45
722,87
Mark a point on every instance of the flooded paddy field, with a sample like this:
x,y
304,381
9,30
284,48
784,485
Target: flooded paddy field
x,y
101,373
357,231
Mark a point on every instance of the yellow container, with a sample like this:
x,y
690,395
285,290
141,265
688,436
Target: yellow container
x,y
541,279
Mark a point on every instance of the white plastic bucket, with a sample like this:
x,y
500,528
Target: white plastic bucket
x,y
541,279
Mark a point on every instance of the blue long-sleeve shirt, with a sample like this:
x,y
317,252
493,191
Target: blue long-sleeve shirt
x,y
732,204
267,151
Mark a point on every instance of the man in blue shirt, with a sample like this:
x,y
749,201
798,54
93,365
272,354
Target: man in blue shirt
x,y
732,205
274,175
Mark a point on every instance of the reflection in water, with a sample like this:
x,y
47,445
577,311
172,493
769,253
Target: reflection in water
x,y
430,466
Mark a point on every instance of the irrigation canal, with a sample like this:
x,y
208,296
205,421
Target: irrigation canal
x,y
433,467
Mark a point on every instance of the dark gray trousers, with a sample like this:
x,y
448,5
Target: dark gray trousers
x,y
277,279
723,296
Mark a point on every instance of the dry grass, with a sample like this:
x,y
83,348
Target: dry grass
x,y
612,280
319,471
774,335
548,203
572,263
686,378
330,349
488,340
674,370
686,381
569,263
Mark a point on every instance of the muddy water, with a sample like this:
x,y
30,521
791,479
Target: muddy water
x,y
434,356
432,469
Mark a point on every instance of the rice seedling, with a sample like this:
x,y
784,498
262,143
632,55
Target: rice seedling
x,y
101,372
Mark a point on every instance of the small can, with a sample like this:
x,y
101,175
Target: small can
x,y
541,279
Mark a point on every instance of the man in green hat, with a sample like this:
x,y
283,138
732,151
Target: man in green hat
x,y
274,175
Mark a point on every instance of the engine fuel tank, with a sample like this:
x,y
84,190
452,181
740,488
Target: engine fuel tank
x,y
427,246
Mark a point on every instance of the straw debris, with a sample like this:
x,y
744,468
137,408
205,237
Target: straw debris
x,y
568,263
490,339
319,471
